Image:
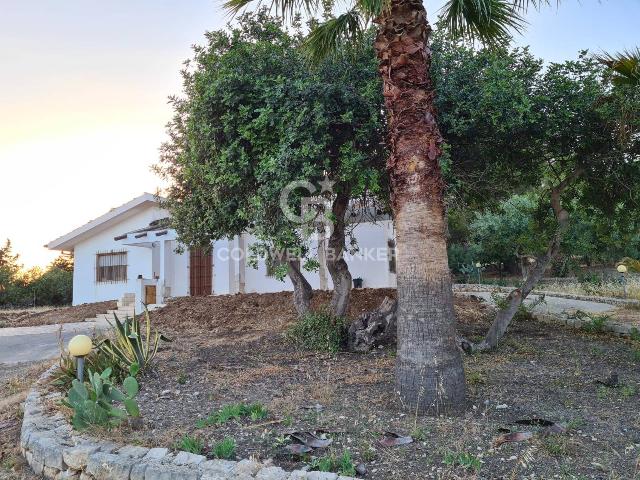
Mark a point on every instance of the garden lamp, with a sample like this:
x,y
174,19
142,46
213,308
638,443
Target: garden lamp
x,y
478,265
79,347
622,269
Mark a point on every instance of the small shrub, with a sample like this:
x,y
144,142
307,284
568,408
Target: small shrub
x,y
462,459
342,465
319,331
635,334
636,355
226,449
190,444
628,391
556,446
594,323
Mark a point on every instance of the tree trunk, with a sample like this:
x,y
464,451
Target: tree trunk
x,y
429,372
375,328
302,291
337,266
534,274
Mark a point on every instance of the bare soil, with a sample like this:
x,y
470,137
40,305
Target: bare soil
x,y
229,349
15,381
49,316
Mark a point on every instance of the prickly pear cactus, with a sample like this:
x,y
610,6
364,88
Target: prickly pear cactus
x,y
96,405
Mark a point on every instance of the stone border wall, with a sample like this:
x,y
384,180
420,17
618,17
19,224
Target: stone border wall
x,y
616,328
479,287
53,449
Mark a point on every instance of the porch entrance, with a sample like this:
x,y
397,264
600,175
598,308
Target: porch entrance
x,y
149,294
200,272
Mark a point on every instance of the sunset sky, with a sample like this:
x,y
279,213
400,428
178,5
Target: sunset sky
x,y
84,83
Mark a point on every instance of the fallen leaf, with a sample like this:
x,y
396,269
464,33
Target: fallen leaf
x,y
390,439
512,437
311,440
297,449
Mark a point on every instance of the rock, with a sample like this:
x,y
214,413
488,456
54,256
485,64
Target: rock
x,y
49,472
108,466
132,451
216,469
68,475
138,471
161,471
156,454
272,473
47,451
246,467
361,469
298,475
321,476
187,458
76,457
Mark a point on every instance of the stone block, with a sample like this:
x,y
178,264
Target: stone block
x,y
156,454
138,471
321,476
132,451
246,467
76,457
163,471
216,469
48,472
68,475
298,475
187,458
46,450
272,473
108,466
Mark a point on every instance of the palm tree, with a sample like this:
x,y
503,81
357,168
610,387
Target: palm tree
x,y
429,371
625,66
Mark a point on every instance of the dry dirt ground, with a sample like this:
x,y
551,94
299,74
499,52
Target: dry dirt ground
x,y
48,316
230,349
15,380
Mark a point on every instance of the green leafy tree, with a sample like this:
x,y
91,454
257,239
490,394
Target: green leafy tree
x,y
582,162
245,131
429,371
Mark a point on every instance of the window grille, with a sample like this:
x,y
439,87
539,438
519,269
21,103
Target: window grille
x,y
111,267
391,255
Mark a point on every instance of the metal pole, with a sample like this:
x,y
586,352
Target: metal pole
x,y
80,368
624,285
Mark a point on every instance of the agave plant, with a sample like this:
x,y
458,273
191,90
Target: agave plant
x,y
130,346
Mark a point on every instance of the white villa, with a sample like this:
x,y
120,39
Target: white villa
x,y
129,252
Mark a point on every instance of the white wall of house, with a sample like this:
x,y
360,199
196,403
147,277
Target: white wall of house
x,y
139,259
230,271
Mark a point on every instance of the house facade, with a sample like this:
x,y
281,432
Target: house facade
x,y
130,251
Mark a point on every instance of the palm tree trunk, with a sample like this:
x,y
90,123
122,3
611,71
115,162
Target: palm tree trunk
x,y
429,371
337,266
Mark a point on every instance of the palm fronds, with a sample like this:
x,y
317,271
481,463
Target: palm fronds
x,y
327,37
625,65
287,9
486,20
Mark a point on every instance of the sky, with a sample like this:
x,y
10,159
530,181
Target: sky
x,y
84,87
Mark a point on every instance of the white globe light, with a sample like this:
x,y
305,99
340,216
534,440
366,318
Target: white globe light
x,y
622,268
80,345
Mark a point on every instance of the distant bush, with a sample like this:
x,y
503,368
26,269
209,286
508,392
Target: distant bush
x,y
34,287
319,331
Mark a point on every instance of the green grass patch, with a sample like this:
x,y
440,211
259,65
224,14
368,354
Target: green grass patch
x,y
234,411
462,459
190,444
225,449
342,465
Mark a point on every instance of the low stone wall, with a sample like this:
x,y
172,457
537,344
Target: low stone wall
x,y
479,287
53,449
